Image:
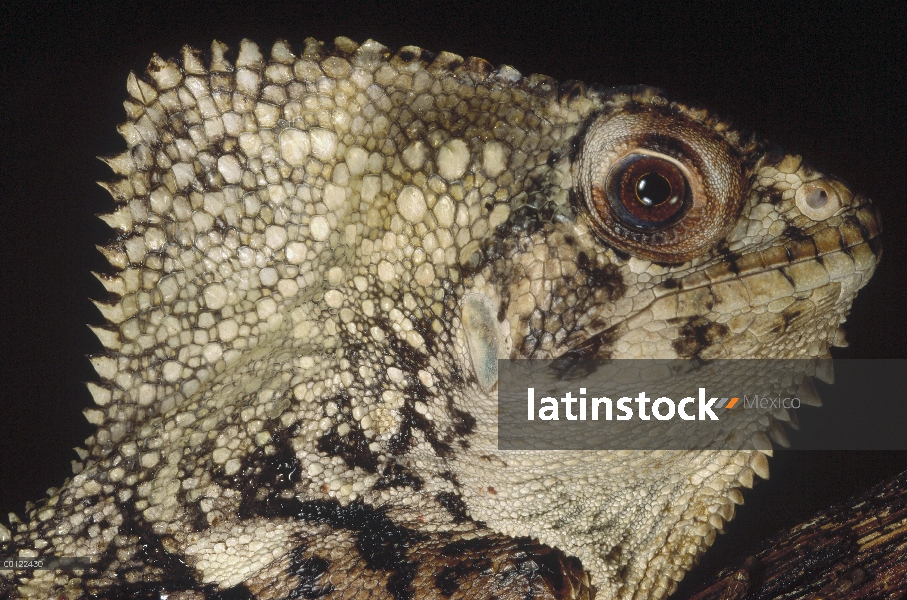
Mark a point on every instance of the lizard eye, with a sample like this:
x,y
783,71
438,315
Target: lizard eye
x,y
647,192
657,185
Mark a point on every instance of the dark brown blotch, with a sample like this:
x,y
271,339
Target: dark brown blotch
x,y
607,277
308,570
263,479
454,505
352,447
697,335
382,544
146,573
396,475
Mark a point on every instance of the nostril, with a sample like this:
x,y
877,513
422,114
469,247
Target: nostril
x,y
822,198
817,198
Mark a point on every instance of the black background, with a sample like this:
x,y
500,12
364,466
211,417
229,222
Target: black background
x,y
821,79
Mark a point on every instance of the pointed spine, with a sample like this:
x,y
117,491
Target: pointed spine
x,y
120,190
133,109
104,366
745,477
825,370
101,396
130,134
807,393
781,414
249,55
165,73
120,219
717,522
94,416
113,285
762,443
109,339
840,339
141,91
218,62
115,256
192,61
282,53
121,164
113,313
794,421
759,464
777,435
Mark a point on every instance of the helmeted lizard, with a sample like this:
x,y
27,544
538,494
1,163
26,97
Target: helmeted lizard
x,y
318,260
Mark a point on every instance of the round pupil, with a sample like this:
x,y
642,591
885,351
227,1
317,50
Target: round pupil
x,y
652,189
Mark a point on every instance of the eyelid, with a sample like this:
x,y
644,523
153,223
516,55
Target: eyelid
x,y
710,166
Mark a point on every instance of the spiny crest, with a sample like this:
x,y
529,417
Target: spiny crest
x,y
216,227
210,249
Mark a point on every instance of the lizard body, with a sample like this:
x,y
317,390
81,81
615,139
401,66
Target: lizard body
x,y
319,259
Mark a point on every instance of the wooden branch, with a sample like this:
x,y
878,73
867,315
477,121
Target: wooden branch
x,y
857,549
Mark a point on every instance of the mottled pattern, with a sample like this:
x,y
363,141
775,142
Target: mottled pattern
x,y
318,259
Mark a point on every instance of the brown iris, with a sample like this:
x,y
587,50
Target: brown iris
x,y
647,192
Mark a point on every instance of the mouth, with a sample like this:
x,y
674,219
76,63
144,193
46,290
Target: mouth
x,y
833,259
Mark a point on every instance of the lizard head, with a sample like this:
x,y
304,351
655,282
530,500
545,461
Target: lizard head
x,y
659,232
666,234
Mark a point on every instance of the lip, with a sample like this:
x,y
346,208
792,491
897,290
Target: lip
x,y
857,237
826,252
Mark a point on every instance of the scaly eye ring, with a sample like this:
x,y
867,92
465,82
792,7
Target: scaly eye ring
x,y
658,186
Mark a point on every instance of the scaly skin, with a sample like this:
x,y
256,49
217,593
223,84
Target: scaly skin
x,y
318,260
